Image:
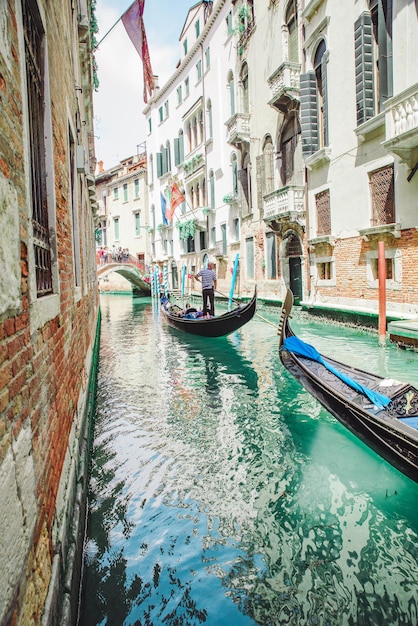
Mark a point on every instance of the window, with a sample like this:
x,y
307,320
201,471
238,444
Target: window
x,y
323,213
185,47
234,166
187,86
160,114
149,125
292,32
373,59
199,70
223,239
229,28
244,176
321,90
115,193
35,76
313,104
197,28
235,229
382,193
179,149
116,228
179,95
207,57
323,270
137,218
288,144
202,240
210,120
166,109
244,89
74,213
125,192
249,255
136,188
212,189
213,235
271,256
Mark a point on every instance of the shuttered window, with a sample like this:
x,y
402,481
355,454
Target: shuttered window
x,y
383,196
323,213
309,114
363,50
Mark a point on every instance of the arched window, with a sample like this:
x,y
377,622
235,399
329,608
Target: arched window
x,y
210,121
234,166
292,32
288,143
201,137
168,156
321,90
244,89
245,183
268,163
189,135
212,189
231,87
194,132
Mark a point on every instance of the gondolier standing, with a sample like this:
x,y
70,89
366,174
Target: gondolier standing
x,y
208,277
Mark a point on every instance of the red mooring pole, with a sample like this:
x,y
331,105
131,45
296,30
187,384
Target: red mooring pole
x,y
381,268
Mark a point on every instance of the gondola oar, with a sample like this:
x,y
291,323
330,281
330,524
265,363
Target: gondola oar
x,y
239,303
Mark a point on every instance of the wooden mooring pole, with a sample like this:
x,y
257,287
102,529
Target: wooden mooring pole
x,y
381,268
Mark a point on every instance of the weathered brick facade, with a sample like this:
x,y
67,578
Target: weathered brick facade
x,y
47,339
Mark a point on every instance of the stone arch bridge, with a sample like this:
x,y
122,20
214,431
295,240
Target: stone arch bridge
x,y
129,270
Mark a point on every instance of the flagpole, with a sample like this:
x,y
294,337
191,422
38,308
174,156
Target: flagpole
x,y
110,29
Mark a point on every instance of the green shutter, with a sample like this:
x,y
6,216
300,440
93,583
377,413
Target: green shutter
x,y
363,57
309,113
177,160
159,164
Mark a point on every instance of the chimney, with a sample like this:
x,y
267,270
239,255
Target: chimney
x,y
101,169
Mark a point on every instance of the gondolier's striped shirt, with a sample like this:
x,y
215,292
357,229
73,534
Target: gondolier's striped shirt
x,y
208,277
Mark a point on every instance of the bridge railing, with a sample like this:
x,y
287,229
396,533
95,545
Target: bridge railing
x,y
109,258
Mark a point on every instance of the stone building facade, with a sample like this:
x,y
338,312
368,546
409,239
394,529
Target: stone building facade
x,y
48,303
291,128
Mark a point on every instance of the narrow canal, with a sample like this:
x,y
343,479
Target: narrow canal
x,y
221,493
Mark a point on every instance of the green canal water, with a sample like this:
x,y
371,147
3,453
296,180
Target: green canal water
x,y
222,493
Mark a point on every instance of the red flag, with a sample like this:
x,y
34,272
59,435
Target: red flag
x,y
134,24
176,197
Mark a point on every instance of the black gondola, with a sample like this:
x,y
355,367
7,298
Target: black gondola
x,y
217,326
382,412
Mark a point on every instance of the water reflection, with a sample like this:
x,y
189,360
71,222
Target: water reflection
x,y
222,493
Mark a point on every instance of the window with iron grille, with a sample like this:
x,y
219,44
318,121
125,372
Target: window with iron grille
x,y
323,213
382,196
34,54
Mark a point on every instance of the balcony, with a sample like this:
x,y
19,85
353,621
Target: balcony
x,y
238,128
401,118
285,204
285,87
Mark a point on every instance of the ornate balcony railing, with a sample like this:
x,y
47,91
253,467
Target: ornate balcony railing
x,y
287,202
284,85
401,120
238,128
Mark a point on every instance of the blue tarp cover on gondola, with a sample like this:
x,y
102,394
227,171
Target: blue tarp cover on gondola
x,y
299,347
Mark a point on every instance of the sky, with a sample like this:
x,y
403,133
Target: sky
x,y
120,126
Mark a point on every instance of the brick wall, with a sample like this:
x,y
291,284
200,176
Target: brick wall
x,y
45,364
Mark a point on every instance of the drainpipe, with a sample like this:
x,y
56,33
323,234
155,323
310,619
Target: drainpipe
x,y
381,266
